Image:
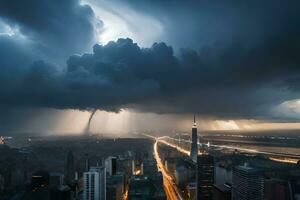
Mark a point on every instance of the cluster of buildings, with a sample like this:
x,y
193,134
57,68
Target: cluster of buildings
x,y
196,175
203,174
116,178
129,174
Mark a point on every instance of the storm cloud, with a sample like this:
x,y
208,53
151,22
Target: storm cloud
x,y
221,81
243,71
51,30
196,23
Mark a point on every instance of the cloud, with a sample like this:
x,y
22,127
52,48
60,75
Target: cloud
x,y
121,21
56,28
243,66
200,22
220,81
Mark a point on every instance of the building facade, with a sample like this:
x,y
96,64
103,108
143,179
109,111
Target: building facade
x,y
194,144
222,192
205,177
111,165
70,168
94,184
247,183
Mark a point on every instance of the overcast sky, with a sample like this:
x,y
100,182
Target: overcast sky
x,y
233,63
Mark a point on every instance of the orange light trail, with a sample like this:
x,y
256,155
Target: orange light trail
x,y
178,148
284,160
169,185
125,195
182,150
280,157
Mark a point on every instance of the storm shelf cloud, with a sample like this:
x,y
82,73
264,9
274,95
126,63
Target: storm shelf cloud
x,y
226,82
224,79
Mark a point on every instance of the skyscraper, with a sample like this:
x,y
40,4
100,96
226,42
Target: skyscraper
x,y
194,144
247,183
111,165
94,184
69,168
205,177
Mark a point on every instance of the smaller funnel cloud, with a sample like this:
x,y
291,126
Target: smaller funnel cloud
x,y
87,128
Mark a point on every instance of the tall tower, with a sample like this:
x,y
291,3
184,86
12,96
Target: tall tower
x,y
194,145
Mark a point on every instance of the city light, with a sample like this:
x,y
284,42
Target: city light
x,y
169,185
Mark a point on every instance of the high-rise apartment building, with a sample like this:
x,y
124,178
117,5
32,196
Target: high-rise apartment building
x,y
94,184
111,165
205,177
247,183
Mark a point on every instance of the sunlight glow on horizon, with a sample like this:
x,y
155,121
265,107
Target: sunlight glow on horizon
x,y
53,121
128,121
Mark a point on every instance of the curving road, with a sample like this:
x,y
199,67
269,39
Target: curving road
x,y
170,187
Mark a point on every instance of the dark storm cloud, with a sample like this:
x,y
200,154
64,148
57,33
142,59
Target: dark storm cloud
x,y
195,23
223,81
57,28
248,65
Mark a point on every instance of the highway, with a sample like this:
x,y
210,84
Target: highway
x,y
182,150
170,187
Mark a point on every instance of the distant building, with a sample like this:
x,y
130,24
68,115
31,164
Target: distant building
x,y
69,168
170,164
247,183
205,177
17,178
111,165
140,187
115,187
222,192
184,172
192,190
194,144
61,193
157,181
143,187
2,184
94,184
275,189
181,175
39,179
124,165
133,167
149,168
295,187
56,179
